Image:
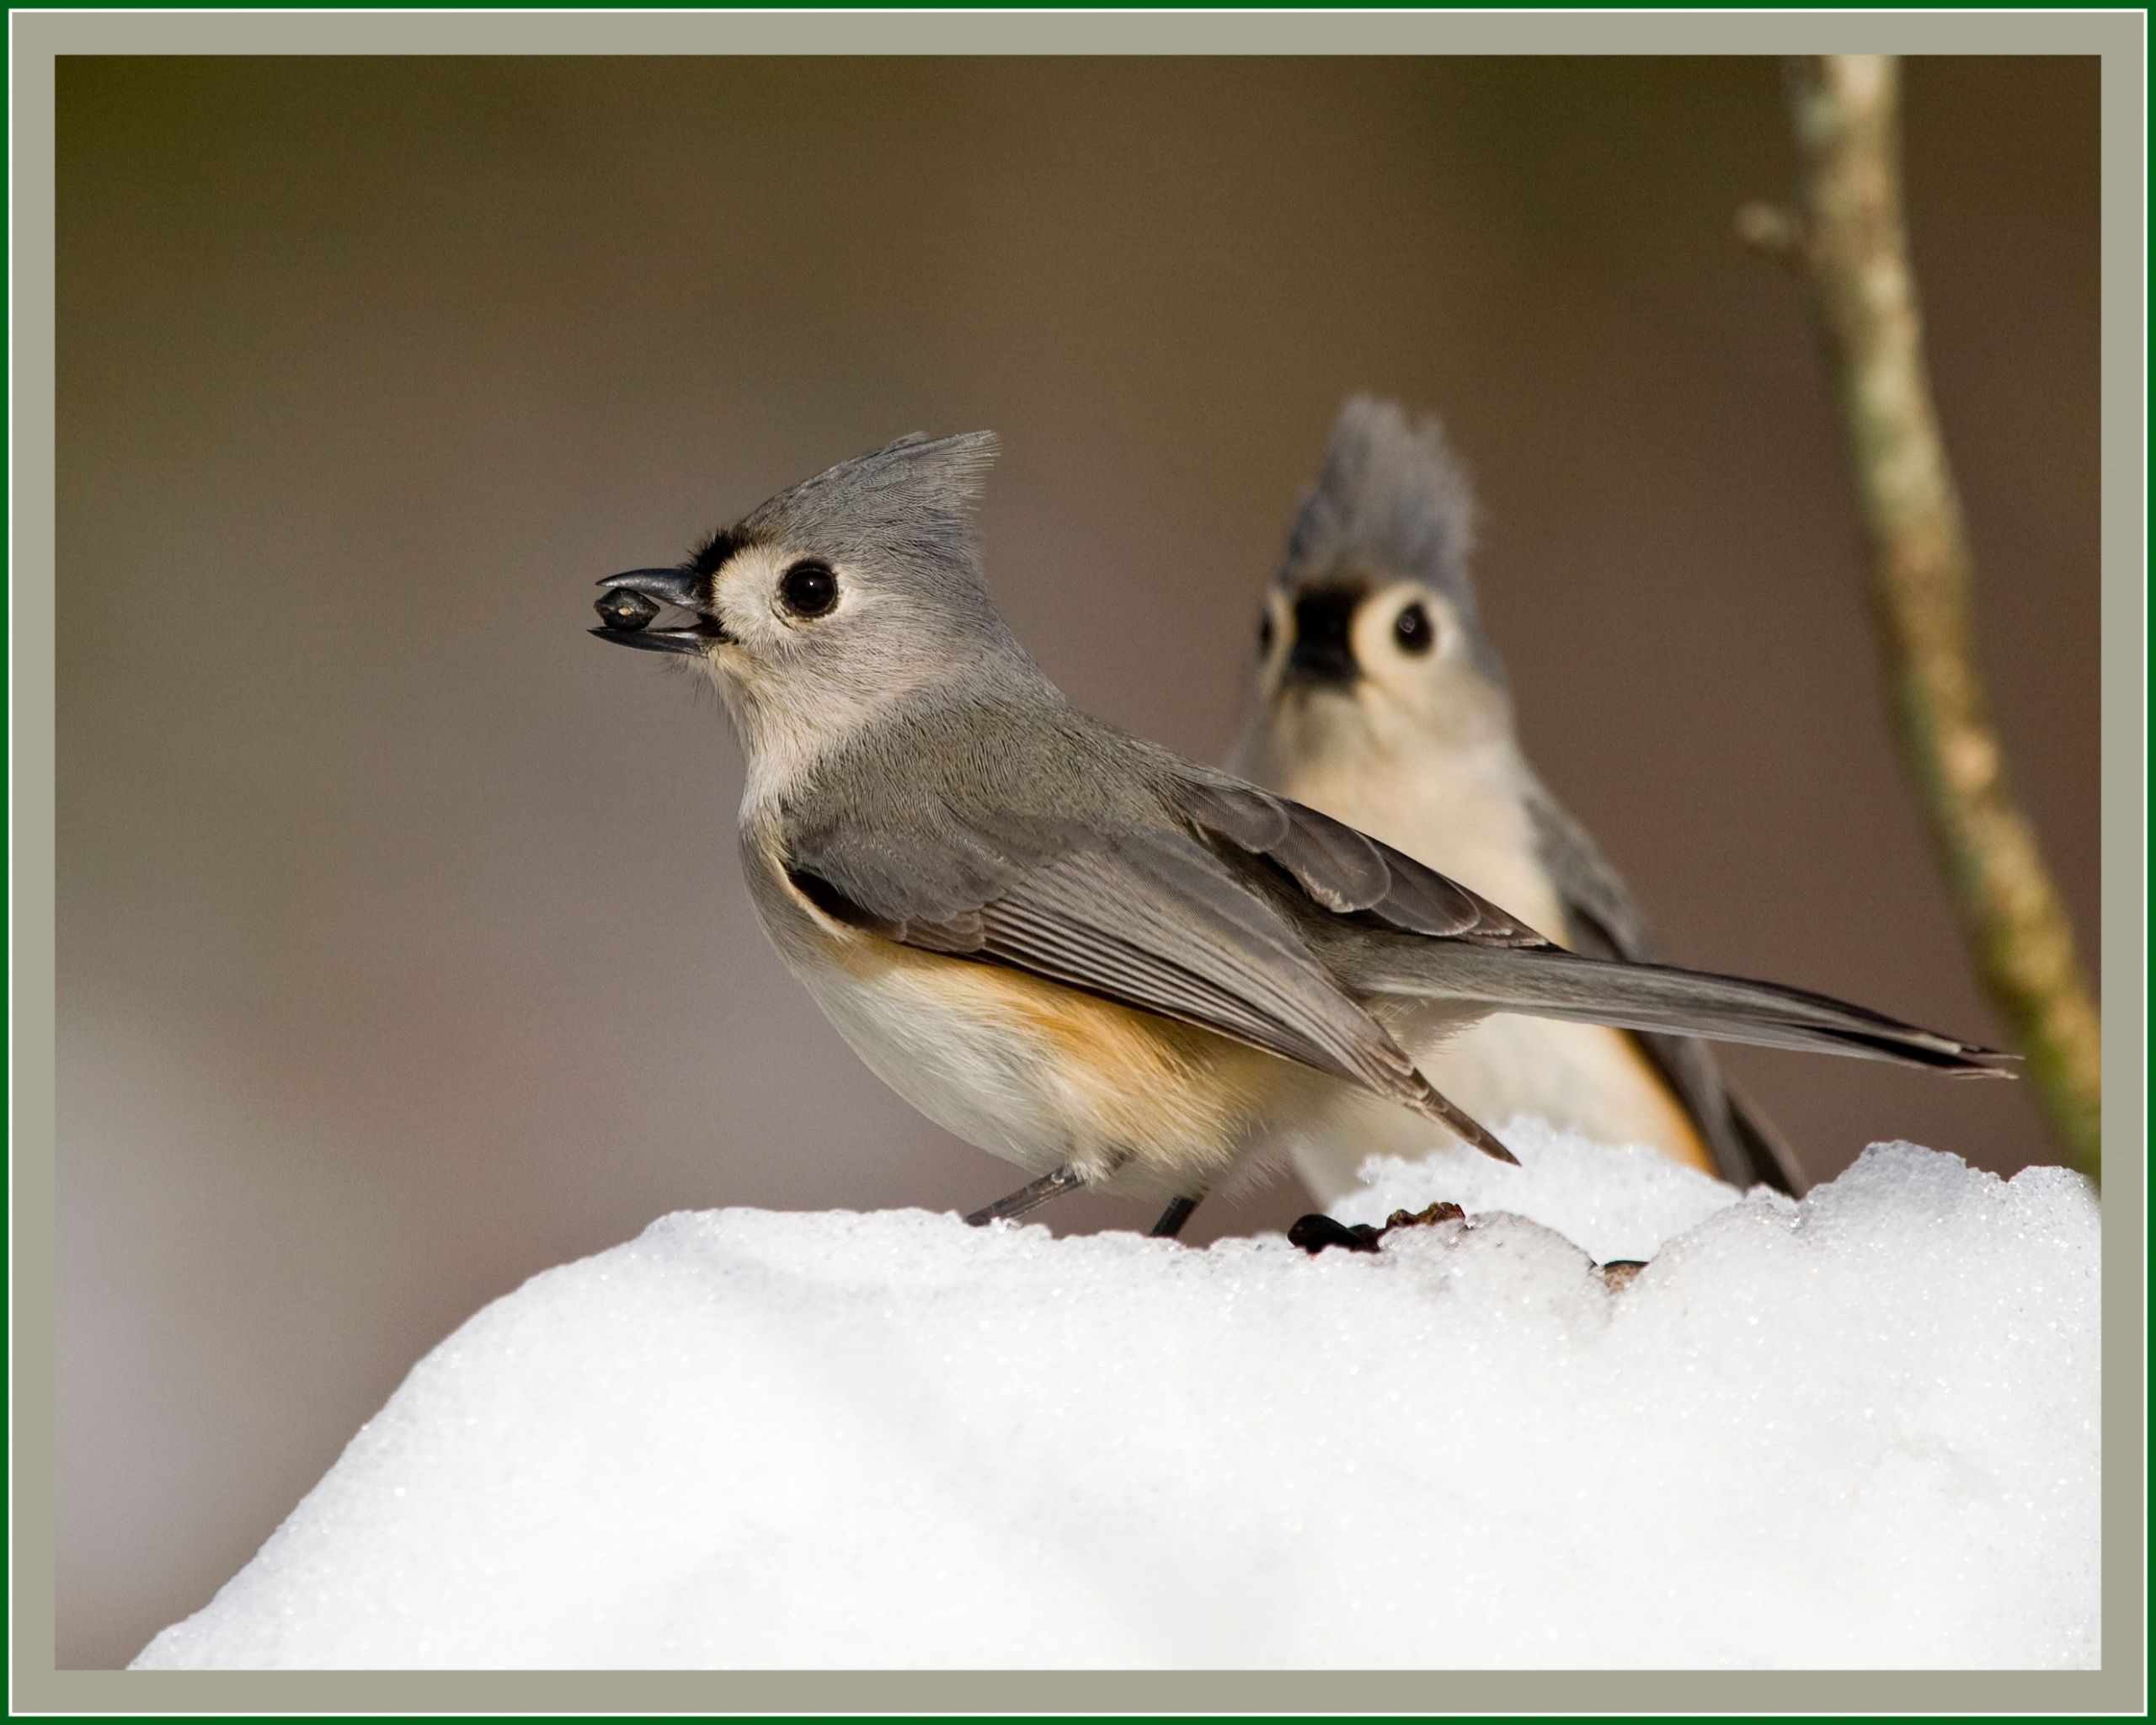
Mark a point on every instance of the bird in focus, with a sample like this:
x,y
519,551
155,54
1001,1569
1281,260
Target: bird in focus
x,y
1110,965
1382,702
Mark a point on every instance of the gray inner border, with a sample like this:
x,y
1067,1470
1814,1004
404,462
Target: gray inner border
x,y
2117,37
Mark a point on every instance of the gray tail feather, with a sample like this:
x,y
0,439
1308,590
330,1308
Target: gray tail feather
x,y
1551,982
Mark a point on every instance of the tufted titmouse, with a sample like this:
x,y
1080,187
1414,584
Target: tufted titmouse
x,y
1381,700
1110,965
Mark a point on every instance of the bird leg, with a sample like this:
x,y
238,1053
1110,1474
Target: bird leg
x,y
1031,1196
1172,1219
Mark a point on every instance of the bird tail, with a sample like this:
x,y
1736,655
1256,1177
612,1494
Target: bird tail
x,y
1548,982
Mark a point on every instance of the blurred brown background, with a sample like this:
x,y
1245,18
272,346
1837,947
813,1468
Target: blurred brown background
x,y
403,953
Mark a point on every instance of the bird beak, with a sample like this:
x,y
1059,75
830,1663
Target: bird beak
x,y
630,601
1322,651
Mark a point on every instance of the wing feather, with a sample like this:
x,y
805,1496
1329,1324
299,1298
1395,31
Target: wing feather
x,y
1346,872
1152,920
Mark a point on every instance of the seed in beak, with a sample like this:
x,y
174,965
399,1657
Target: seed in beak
x,y
618,608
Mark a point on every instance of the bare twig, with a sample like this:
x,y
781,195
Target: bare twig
x,y
1847,238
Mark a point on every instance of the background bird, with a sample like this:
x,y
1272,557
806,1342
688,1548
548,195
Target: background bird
x,y
1381,700
1106,963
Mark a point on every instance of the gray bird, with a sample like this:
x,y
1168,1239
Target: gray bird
x,y
1110,965
1382,702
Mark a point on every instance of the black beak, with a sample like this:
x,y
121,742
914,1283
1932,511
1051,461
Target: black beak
x,y
1322,651
632,600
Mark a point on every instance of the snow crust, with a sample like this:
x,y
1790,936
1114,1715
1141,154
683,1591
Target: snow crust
x,y
1611,1201
1858,1431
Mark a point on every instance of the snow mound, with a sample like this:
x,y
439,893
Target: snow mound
x,y
1856,1431
1611,1203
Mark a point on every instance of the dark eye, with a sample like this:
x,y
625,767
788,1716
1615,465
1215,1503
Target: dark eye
x,y
808,589
1265,635
1412,629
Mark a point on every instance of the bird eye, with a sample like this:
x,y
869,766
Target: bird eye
x,y
808,589
1265,634
1412,629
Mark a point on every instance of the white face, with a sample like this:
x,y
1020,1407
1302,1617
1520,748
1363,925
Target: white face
x,y
813,648
1370,663
778,606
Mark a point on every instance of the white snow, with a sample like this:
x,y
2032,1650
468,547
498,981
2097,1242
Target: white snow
x,y
1611,1203
1859,1431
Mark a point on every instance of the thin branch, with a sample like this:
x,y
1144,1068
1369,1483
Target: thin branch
x,y
1847,238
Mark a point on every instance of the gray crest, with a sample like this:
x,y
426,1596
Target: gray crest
x,y
905,508
1392,500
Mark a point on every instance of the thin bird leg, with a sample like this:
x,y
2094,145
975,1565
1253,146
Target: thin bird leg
x,y
1173,1218
1031,1196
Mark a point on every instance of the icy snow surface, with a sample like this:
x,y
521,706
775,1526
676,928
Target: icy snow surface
x,y
1858,1431
1610,1202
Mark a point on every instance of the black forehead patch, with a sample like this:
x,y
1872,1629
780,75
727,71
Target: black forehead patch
x,y
716,551
1348,586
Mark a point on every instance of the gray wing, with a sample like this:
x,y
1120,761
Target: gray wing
x,y
1338,868
1605,923
1149,919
